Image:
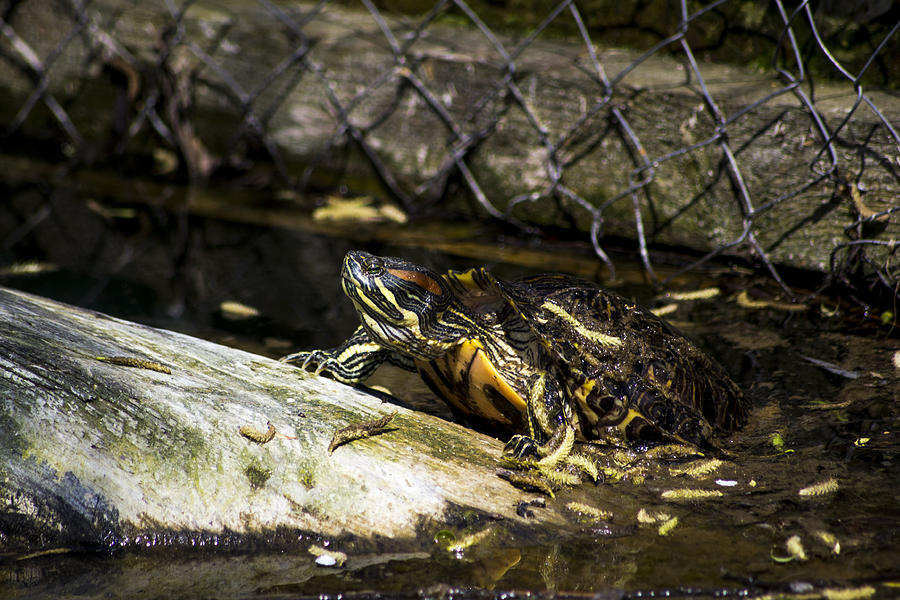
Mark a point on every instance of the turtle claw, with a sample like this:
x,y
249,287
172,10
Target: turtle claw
x,y
521,448
293,357
307,358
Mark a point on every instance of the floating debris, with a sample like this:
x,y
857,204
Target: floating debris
x,y
697,468
666,309
327,558
828,311
528,481
584,464
237,311
779,444
560,447
562,478
896,360
361,209
690,494
821,405
130,361
704,294
30,267
459,545
588,511
860,593
794,546
726,482
359,431
255,435
667,521
820,489
743,299
647,517
671,451
795,551
668,526
830,540
40,553
831,367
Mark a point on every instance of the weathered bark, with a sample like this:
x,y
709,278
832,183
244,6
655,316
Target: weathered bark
x,y
97,453
691,202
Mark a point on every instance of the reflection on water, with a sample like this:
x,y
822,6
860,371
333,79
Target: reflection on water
x,y
808,500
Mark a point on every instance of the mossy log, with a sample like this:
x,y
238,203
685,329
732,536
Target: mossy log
x,y
308,81
100,446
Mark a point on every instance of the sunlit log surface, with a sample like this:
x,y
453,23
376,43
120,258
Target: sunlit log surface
x,y
99,453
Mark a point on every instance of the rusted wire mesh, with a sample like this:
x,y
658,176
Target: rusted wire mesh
x,y
150,72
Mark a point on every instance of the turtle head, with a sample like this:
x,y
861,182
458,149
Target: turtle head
x,y
402,306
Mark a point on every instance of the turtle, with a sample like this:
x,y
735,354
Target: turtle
x,y
551,359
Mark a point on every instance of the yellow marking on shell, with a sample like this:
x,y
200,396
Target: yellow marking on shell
x,y
581,395
466,278
480,377
594,336
630,416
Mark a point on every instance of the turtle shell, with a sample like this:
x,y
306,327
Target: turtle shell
x,y
629,372
626,373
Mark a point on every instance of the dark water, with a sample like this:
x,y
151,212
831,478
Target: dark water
x,y
809,502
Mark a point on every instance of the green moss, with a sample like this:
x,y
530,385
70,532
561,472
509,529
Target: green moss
x,y
257,475
306,478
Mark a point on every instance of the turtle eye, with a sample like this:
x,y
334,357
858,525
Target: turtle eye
x,y
374,268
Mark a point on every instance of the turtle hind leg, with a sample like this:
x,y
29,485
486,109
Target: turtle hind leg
x,y
352,362
551,427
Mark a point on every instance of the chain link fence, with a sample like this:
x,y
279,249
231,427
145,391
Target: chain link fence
x,y
767,130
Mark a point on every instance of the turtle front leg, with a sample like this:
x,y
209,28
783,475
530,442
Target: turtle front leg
x,y
551,426
352,362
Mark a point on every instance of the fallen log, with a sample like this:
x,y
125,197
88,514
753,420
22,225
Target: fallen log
x,y
116,434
